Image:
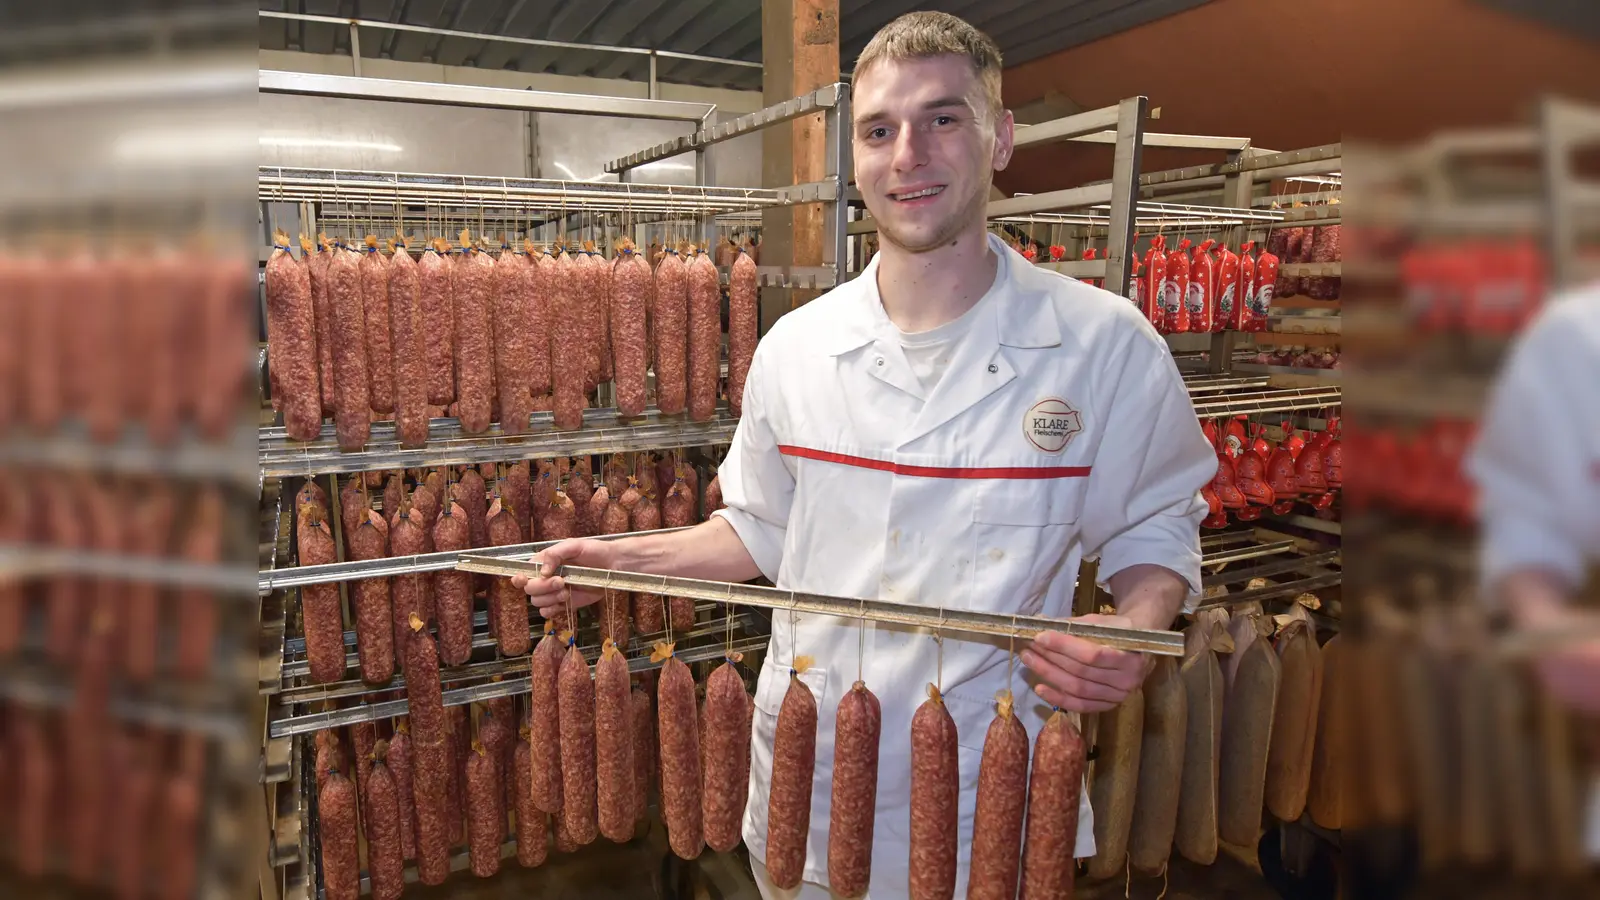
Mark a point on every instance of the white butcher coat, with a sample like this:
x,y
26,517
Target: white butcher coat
x,y
1061,430
1537,458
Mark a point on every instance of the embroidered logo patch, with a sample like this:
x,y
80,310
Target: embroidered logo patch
x,y
1050,425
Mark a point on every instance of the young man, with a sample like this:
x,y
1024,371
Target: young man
x,y
955,429
1537,467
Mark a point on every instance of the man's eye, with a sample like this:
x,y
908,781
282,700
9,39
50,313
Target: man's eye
x,y
877,133
943,120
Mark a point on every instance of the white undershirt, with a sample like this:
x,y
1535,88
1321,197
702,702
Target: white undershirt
x,y
929,352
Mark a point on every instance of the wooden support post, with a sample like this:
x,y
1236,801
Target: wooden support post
x,y
800,53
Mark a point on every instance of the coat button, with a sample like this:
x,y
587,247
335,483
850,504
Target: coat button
x,y
993,368
880,360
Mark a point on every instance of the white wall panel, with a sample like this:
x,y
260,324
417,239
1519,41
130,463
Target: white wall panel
x,y
340,133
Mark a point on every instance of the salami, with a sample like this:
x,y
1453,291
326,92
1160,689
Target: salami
x,y
560,520
322,315
677,507
512,305
374,273
431,788
613,717
643,730
517,493
935,791
671,332
534,286
438,318
370,604
385,857
595,510
460,750
728,713
705,337
544,707
485,819
680,760
472,492
630,296
1002,797
568,346
1155,810
1118,739
348,324
646,514
292,342
533,825
580,490
336,832
1054,789
410,349
542,492
615,621
576,712
474,345
649,613
597,315
410,593
858,725
452,590
320,610
713,498
508,604
743,324
494,732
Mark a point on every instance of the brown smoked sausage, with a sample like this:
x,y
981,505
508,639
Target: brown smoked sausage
x,y
671,334
485,818
438,317
576,713
544,714
292,342
794,758
705,336
323,313
347,320
743,319
857,728
469,284
410,352
533,825
370,606
385,857
402,766
1002,797
336,821
375,307
631,286
727,719
320,609
512,308
452,590
568,346
1054,788
410,593
935,791
508,604
613,716
680,760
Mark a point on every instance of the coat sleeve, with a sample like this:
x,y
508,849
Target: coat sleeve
x,y
757,484
1144,504
1538,448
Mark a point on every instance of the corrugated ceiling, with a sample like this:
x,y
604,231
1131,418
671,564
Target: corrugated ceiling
x,y
729,29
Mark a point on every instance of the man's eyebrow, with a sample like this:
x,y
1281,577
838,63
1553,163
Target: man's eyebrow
x,y
936,103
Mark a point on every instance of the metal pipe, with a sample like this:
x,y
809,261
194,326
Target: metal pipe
x,y
505,38
654,88
355,49
313,84
1160,643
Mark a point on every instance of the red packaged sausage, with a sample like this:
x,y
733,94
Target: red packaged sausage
x,y
1247,286
1201,302
1155,265
1226,295
1176,288
1255,315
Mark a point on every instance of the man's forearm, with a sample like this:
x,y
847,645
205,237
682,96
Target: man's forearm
x,y
1149,595
711,550
1533,596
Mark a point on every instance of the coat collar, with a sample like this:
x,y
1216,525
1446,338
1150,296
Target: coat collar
x,y
1023,313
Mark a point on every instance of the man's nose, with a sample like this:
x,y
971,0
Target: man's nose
x,y
910,149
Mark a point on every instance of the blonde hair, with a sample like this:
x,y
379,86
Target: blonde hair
x,y
920,35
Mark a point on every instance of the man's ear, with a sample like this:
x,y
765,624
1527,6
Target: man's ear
x,y
1004,134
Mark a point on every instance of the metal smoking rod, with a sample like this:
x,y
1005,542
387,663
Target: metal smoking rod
x,y
1140,640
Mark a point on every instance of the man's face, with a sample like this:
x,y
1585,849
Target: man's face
x,y
926,149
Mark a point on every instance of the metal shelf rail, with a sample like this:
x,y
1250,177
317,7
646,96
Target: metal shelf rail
x,y
958,621
1270,401
449,446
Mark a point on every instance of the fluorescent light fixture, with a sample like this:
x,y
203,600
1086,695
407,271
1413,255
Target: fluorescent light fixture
x,y
1333,178
328,143
180,145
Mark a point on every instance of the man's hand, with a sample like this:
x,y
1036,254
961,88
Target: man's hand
x,y
549,592
1081,676
1540,603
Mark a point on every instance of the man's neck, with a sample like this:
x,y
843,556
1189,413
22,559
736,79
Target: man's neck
x,y
922,291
